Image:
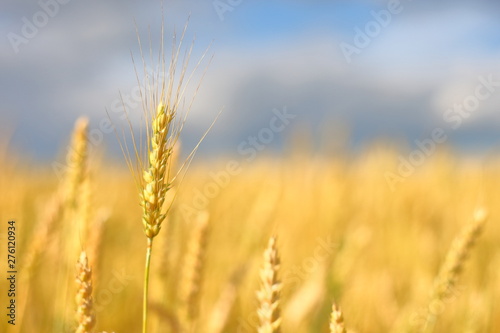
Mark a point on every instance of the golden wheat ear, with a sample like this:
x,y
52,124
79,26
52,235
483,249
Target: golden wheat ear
x,y
270,290
457,255
165,113
337,320
155,182
77,162
85,317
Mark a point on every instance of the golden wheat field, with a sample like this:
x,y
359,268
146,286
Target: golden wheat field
x,y
304,240
273,248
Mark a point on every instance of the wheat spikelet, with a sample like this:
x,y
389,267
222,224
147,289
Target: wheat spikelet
x,y
269,293
84,314
337,320
193,269
452,267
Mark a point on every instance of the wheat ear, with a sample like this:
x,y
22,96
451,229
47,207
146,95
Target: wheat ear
x,y
155,178
43,229
452,267
269,293
162,96
84,314
337,320
155,183
72,193
77,162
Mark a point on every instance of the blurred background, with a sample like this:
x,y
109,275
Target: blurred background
x,y
341,65
305,86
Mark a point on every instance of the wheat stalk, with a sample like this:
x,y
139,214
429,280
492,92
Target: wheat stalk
x,y
84,213
452,267
156,178
193,269
74,196
160,105
337,320
269,293
95,241
162,96
43,229
221,310
155,184
76,190
51,214
84,314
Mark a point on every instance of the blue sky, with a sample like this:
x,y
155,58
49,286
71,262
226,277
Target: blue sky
x,y
267,54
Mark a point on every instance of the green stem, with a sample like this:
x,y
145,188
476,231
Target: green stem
x,y
146,286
